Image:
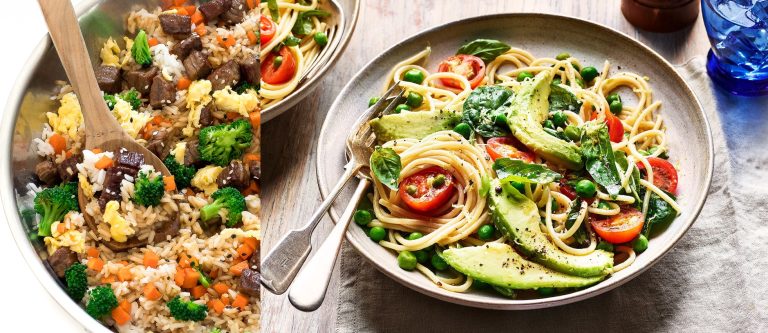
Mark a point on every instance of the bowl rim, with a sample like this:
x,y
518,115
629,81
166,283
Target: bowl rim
x,y
538,303
304,88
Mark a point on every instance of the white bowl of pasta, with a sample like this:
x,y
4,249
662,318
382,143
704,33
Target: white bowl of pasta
x,y
578,159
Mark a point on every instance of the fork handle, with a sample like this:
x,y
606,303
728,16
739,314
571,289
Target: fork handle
x,y
308,291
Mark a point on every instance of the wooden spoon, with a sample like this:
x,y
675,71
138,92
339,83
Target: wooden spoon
x,y
101,128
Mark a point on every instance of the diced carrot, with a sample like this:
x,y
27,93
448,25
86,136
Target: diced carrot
x,y
225,299
216,305
198,291
179,2
225,41
125,305
95,264
70,153
104,163
251,157
151,259
183,83
251,37
124,274
153,41
251,4
159,119
151,292
251,241
244,251
170,183
214,273
191,277
197,18
179,277
183,260
120,316
181,10
255,118
253,188
200,30
61,228
92,252
241,301
96,151
190,9
232,115
220,288
58,142
238,268
108,279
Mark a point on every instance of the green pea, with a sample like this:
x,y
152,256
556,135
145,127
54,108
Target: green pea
x,y
438,181
373,101
414,100
589,73
524,75
603,205
501,120
377,234
486,232
402,107
613,97
640,244
411,190
616,107
572,132
362,217
563,56
421,256
415,236
407,261
586,188
438,262
558,118
464,130
321,38
414,75
277,62
605,246
546,291
549,124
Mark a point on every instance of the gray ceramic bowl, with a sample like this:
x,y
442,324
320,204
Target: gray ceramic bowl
x,y
688,130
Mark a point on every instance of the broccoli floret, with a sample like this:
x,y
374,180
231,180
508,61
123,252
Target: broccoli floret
x,y
216,330
111,101
228,198
204,279
77,281
148,192
101,301
131,96
140,49
186,310
53,203
221,144
182,174
243,87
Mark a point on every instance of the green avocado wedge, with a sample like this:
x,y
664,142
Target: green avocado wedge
x,y
518,218
414,125
528,110
499,265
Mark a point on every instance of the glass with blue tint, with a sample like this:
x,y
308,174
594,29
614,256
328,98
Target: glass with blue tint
x,y
738,32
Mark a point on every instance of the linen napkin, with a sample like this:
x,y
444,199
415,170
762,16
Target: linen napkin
x,y
713,280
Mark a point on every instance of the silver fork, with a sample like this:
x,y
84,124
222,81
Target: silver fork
x,y
283,262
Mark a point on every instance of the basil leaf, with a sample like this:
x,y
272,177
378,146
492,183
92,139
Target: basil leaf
x,y
303,25
560,99
483,106
660,213
580,236
386,165
521,172
273,10
140,49
485,49
598,154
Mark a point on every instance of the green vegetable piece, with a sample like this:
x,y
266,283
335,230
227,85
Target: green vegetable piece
x,y
140,49
563,56
580,236
464,130
438,262
377,234
182,174
603,205
228,198
501,120
243,86
278,61
101,301
414,99
187,310
414,76
589,73
521,172
402,107
438,181
407,260
203,278
559,119
605,246
640,243
274,10
373,101
386,166
321,38
549,124
613,97
291,40
560,99
660,213
586,189
600,160
53,204
486,232
485,49
148,192
477,284
303,25
421,256
415,235
482,108
616,107
363,217
220,144
572,132
523,76
556,81
580,82
546,291
77,281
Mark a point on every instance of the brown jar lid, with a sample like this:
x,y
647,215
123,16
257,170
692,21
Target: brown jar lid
x,y
660,15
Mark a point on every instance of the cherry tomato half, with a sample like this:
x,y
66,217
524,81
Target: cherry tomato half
x,y
620,228
615,127
284,72
664,173
426,197
468,66
266,29
508,147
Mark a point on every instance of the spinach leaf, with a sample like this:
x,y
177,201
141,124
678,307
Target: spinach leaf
x,y
521,172
580,236
386,165
560,99
598,154
660,213
273,10
485,49
303,25
634,179
483,107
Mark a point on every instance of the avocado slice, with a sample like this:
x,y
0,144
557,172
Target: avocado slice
x,y
518,217
414,125
499,265
529,109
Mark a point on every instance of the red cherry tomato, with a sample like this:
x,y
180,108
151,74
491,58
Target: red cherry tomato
x,y
266,29
620,228
567,190
468,66
508,147
278,74
615,127
664,173
427,198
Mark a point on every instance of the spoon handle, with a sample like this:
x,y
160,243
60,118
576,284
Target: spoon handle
x,y
308,290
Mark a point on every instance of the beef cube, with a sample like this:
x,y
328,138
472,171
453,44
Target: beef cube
x,y
61,259
114,177
227,74
129,159
46,172
141,79
235,13
196,65
183,48
162,92
168,230
254,168
250,282
157,144
250,70
234,175
68,168
108,78
212,9
191,154
179,26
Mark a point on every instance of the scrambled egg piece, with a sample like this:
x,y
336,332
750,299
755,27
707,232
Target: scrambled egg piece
x,y
198,96
119,228
68,120
70,237
85,185
205,179
230,101
110,53
179,151
131,121
128,45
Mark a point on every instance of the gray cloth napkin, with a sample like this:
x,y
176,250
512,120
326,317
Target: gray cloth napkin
x,y
713,280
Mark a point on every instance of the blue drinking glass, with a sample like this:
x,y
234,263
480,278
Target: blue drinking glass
x,y
738,32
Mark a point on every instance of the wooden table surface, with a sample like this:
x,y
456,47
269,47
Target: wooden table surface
x,y
289,141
